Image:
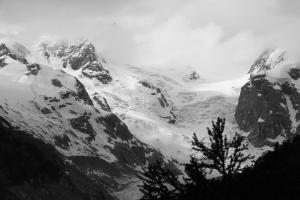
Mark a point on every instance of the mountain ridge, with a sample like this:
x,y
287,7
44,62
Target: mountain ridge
x,y
55,107
111,120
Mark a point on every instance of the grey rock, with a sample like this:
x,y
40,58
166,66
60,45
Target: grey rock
x,y
263,110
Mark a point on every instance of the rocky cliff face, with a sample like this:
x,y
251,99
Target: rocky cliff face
x,y
268,107
18,53
78,56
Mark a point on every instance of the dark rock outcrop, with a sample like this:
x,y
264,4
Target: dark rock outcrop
x,y
264,110
268,105
156,91
102,102
80,55
96,70
194,76
56,83
79,94
62,141
33,69
295,73
115,127
4,50
82,93
46,110
83,125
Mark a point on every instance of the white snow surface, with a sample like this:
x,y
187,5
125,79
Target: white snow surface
x,y
194,103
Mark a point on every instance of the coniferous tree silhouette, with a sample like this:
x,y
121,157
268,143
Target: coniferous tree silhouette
x,y
223,155
160,183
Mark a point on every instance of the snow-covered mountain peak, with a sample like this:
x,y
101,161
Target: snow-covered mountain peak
x,y
268,107
55,106
274,66
13,51
76,58
269,59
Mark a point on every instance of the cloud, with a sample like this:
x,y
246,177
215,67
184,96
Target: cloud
x,y
290,7
176,43
219,38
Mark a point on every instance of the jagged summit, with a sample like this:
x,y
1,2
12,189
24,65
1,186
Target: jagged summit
x,y
77,56
267,60
52,104
269,103
16,51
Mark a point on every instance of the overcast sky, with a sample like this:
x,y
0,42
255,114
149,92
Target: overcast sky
x,y
219,38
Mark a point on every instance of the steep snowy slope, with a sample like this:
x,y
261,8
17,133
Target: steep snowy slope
x,y
160,107
193,105
163,107
54,105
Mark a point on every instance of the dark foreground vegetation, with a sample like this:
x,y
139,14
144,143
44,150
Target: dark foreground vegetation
x,y
31,169
276,175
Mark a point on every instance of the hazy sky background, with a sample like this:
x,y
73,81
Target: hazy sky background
x,y
219,38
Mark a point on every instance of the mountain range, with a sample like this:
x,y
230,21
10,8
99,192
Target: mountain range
x,y
109,121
